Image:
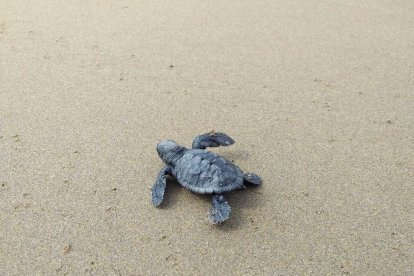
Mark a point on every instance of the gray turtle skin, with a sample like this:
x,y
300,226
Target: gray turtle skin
x,y
202,172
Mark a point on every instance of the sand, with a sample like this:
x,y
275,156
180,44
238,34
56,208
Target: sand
x,y
318,95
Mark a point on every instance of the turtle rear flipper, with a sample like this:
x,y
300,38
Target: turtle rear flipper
x,y
212,140
252,178
220,211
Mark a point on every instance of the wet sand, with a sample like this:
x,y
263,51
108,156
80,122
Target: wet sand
x,y
317,94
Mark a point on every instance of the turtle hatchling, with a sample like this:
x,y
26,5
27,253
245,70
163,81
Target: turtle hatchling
x,y
202,172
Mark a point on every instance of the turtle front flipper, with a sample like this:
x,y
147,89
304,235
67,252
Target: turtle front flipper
x,y
159,187
212,139
220,211
252,178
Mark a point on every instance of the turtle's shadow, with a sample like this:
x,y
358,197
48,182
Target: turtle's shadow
x,y
171,193
239,200
235,154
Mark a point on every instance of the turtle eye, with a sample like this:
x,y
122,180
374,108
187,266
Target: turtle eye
x,y
177,148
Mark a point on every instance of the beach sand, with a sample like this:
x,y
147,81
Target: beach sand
x,y
317,94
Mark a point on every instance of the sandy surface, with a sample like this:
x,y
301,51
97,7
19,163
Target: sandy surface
x,y
318,95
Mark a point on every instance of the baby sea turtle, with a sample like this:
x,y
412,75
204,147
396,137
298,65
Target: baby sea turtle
x,y
202,172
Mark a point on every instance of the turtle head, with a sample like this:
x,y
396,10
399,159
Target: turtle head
x,y
169,151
